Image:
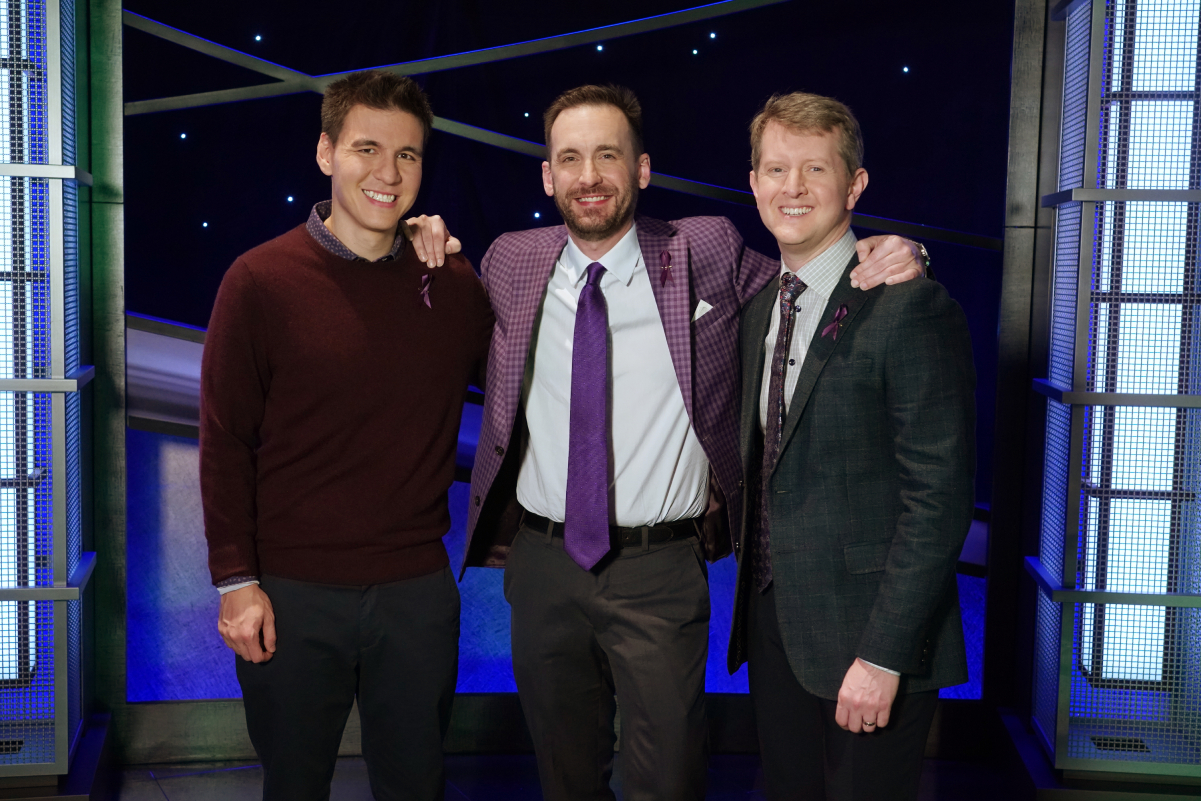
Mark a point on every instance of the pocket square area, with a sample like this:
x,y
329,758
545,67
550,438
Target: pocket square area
x,y
702,308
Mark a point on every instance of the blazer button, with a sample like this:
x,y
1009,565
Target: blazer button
x,y
477,500
740,483
500,451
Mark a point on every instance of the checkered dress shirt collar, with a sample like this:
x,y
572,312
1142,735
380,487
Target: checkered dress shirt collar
x,y
325,237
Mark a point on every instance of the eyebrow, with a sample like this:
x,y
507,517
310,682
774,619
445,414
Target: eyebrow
x,y
599,149
372,143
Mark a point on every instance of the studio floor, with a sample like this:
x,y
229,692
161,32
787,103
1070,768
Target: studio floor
x,y
514,777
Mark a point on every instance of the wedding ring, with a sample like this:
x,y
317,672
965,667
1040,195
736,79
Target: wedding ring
x,y
865,723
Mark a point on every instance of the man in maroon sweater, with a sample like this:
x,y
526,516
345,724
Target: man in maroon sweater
x,y
334,374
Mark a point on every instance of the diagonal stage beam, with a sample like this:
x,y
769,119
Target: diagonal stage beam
x,y
293,81
564,41
213,49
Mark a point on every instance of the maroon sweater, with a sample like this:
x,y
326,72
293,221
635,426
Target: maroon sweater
x,y
329,412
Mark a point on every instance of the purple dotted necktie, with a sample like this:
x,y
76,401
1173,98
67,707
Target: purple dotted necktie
x,y
586,526
791,288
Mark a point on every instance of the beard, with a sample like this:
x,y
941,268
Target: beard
x,y
595,225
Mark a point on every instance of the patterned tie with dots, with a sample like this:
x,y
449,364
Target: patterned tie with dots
x,y
791,288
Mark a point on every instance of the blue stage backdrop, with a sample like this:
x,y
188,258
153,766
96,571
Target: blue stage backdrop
x,y
175,654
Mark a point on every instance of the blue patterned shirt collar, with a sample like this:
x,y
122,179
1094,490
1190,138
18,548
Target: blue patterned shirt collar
x,y
326,239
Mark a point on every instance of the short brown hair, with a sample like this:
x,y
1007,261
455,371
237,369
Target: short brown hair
x,y
805,114
374,89
619,97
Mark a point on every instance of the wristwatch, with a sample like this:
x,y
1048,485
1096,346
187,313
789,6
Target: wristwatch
x,y
925,254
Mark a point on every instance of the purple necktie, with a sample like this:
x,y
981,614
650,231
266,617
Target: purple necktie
x,y
586,525
791,288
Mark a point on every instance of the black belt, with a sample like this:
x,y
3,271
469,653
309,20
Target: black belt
x,y
622,535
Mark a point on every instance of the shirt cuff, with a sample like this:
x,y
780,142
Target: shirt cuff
x,y
235,583
879,667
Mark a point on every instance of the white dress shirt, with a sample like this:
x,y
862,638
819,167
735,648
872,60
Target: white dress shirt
x,y
659,471
821,275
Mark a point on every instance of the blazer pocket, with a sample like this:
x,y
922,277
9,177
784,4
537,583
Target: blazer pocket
x,y
866,557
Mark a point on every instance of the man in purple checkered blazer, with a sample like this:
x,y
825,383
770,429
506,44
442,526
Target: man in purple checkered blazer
x,y
663,427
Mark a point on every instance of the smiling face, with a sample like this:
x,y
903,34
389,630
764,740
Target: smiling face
x,y
594,174
375,167
803,191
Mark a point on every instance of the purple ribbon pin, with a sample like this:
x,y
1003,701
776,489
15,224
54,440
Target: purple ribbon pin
x,y
832,328
665,273
428,279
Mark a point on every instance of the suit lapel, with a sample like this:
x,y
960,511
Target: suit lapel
x,y
820,348
672,295
755,323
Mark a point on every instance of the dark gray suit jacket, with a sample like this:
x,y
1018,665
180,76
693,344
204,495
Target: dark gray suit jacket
x,y
872,494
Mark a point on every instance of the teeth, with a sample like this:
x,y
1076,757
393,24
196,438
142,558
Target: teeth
x,y
596,199
797,212
379,196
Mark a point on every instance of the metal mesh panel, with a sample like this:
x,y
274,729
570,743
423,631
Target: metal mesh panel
x,y
1055,487
70,276
23,82
1063,311
27,698
1075,99
74,672
73,487
67,48
1046,666
24,279
26,502
1149,709
1143,315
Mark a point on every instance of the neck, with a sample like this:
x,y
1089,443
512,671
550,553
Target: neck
x,y
797,256
370,245
596,249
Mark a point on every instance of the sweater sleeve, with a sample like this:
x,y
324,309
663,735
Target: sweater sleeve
x,y
234,381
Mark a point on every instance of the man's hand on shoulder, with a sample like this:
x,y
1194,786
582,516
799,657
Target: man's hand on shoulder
x,y
865,697
247,623
431,241
887,260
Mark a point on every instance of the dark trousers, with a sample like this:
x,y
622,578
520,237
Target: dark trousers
x,y
393,646
636,626
805,754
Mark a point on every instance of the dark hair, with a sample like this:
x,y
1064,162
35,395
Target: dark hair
x,y
806,114
374,89
619,97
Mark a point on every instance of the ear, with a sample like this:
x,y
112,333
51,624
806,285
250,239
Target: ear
x,y
325,154
858,184
644,171
548,181
755,184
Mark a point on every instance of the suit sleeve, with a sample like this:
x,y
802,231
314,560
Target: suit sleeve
x,y
929,391
483,319
234,381
752,270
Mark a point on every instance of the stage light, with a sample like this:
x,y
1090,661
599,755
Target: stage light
x,y
258,38
713,36
694,52
600,47
537,216
183,136
527,114
904,69
204,225
289,198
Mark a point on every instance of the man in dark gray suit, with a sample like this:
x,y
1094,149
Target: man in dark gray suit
x,y
858,428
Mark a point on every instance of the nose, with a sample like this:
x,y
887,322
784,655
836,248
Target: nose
x,y
794,185
388,172
590,175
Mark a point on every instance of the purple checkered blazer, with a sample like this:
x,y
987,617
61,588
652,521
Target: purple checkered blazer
x,y
708,262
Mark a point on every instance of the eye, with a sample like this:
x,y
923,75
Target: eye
x,y
368,150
